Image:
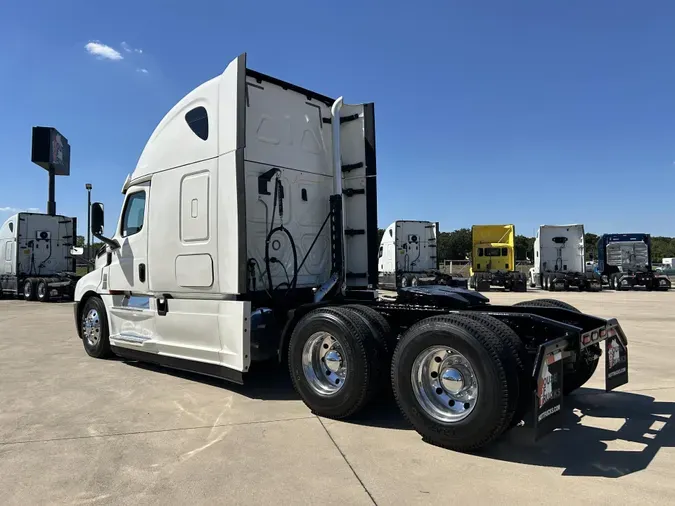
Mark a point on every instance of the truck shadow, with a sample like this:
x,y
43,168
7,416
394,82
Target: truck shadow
x,y
602,434
640,427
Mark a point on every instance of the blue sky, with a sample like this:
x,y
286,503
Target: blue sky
x,y
523,112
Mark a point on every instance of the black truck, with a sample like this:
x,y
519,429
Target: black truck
x,y
625,262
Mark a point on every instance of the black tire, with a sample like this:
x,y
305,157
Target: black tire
x,y
584,367
550,283
520,356
363,358
405,281
382,329
95,347
414,281
29,289
495,371
548,303
42,290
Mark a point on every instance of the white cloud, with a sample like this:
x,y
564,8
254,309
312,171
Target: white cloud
x,y
101,51
130,49
9,209
142,71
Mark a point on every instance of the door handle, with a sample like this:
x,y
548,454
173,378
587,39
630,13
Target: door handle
x,y
141,272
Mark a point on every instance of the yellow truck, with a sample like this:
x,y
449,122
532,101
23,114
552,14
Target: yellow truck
x,y
493,259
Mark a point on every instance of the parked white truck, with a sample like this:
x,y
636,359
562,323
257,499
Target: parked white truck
x,y
559,261
408,256
37,256
249,230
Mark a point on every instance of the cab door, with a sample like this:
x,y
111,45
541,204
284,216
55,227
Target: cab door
x,y
128,270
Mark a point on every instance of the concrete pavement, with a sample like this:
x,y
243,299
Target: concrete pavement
x,y
75,430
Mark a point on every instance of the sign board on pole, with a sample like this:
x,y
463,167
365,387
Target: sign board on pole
x,y
50,150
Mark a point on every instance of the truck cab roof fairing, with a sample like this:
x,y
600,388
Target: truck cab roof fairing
x,y
204,124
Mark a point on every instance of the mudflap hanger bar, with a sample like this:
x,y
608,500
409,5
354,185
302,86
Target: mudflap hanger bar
x,y
548,370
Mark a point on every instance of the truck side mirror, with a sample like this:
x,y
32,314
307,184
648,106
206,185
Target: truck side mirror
x,y
97,219
97,225
76,252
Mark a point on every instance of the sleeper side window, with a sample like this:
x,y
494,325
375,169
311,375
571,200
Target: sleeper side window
x,y
134,214
198,120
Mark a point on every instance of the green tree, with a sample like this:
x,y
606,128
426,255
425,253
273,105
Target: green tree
x,y
524,248
590,245
662,247
380,233
454,245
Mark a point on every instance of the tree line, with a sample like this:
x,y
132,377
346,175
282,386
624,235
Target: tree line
x,y
456,245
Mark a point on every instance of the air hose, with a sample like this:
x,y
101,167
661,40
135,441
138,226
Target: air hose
x,y
278,195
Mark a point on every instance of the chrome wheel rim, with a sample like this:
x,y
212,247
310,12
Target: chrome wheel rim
x,y
91,327
324,364
445,384
42,290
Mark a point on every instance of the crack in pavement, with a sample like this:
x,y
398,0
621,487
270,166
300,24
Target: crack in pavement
x,y
347,462
151,431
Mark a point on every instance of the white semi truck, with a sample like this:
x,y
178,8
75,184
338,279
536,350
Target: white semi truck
x,y
37,256
249,230
559,261
408,256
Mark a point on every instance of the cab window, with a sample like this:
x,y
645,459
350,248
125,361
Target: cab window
x,y
492,252
134,214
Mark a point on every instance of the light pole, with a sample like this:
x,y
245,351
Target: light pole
x,y
88,187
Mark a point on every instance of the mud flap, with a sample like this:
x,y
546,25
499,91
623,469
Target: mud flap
x,y
548,396
616,359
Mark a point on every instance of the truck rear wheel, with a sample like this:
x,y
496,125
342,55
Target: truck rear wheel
x,y
455,381
42,290
94,329
586,364
29,289
520,356
335,362
379,325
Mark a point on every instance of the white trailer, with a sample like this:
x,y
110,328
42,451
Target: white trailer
x,y
37,256
408,256
559,262
249,230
